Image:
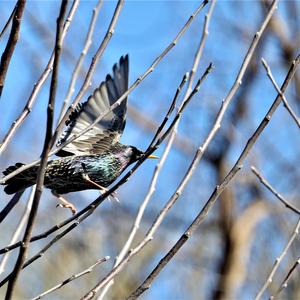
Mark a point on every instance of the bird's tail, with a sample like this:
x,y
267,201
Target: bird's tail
x,y
21,181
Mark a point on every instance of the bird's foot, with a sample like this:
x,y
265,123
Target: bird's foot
x,y
65,203
103,189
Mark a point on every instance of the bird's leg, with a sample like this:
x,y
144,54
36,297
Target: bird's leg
x,y
65,203
87,178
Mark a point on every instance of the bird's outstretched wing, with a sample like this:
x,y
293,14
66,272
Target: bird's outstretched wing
x,y
110,128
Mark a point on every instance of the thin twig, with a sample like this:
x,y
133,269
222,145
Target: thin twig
x,y
19,228
71,278
274,192
44,157
37,86
12,41
218,190
86,47
10,205
278,261
8,21
287,278
117,103
284,100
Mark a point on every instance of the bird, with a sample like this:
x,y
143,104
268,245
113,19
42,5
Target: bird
x,y
95,159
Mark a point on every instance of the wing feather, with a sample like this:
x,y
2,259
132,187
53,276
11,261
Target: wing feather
x,y
110,128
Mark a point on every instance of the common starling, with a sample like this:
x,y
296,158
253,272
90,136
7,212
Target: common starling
x,y
95,159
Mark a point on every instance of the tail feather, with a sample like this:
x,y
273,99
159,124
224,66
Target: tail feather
x,y
21,181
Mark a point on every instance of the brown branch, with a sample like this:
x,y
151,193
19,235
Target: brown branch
x,y
37,86
218,190
44,157
12,41
274,192
8,21
10,205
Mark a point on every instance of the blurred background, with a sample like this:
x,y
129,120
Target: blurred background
x,y
233,251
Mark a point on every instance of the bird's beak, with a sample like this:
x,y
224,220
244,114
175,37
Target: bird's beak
x,y
153,156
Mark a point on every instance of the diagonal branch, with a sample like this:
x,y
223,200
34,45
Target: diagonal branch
x,y
73,277
274,192
12,41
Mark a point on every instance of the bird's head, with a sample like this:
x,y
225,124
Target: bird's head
x,y
134,154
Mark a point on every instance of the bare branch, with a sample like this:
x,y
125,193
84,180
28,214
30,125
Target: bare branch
x,y
274,192
287,277
278,261
11,43
8,21
19,228
71,278
10,205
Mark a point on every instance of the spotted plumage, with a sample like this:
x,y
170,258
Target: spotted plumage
x,y
97,155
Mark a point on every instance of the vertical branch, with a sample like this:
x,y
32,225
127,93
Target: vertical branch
x,y
12,41
44,157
